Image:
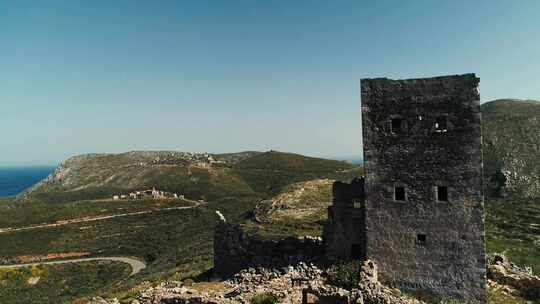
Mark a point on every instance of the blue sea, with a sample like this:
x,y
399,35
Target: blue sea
x,y
14,180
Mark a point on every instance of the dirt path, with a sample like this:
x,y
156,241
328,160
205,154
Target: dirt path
x,y
136,265
95,218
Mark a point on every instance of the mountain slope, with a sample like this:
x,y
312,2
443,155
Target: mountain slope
x,y
93,176
197,176
511,143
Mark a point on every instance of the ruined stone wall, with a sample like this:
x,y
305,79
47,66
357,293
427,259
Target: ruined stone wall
x,y
235,250
344,231
420,136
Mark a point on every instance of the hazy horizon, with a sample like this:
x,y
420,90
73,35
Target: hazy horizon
x,y
22,165
92,77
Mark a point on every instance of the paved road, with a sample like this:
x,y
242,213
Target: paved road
x,y
136,265
95,218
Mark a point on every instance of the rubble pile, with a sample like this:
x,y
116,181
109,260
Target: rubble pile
x,y
369,291
512,279
285,283
302,283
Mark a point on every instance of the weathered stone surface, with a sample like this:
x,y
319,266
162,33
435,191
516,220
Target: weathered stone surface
x,y
234,250
369,291
302,283
242,287
327,295
230,249
344,232
423,136
521,281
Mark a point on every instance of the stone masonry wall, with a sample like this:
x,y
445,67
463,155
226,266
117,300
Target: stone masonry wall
x,y
422,135
234,250
344,232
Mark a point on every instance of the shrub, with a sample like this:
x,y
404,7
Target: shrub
x,y
450,301
264,298
345,275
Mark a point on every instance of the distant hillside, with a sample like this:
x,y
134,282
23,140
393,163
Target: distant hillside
x,y
205,176
269,172
511,136
92,176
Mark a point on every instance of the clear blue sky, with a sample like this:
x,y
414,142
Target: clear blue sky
x,y
220,76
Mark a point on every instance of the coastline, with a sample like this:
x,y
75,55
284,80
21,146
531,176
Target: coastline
x,y
16,179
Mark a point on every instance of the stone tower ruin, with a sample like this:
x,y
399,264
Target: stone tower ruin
x,y
423,181
345,229
418,212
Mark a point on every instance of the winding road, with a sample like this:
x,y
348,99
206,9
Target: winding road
x,y
136,265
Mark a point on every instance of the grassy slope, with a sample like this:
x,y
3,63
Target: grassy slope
x,y
513,227
270,172
18,214
155,237
59,283
298,210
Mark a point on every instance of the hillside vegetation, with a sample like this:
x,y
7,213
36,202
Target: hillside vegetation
x,y
29,213
270,172
513,228
58,283
197,176
174,243
298,210
511,143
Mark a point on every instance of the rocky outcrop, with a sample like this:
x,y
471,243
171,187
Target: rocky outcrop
x,y
369,291
302,283
517,280
285,283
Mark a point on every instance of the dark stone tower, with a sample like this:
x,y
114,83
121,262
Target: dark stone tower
x,y
424,203
345,231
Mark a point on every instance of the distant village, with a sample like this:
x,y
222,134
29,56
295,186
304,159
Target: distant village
x,y
183,158
163,158
148,194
